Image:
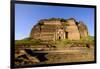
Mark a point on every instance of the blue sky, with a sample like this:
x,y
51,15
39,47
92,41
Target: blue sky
x,y
26,16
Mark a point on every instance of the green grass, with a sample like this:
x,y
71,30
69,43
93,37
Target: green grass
x,y
28,41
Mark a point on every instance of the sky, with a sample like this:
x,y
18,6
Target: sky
x,y
26,16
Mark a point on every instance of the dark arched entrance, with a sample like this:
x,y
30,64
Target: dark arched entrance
x,y
66,35
59,37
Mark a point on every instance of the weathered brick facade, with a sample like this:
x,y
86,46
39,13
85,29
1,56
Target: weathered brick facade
x,y
56,29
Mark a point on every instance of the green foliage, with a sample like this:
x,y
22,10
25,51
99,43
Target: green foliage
x,y
82,41
50,19
28,42
89,39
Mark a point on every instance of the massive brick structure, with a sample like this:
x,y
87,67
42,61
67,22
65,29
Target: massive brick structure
x,y
56,29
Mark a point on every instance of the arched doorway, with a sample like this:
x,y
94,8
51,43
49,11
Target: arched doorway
x,y
60,34
66,35
59,37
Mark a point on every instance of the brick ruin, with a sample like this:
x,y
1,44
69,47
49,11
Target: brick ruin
x,y
57,28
